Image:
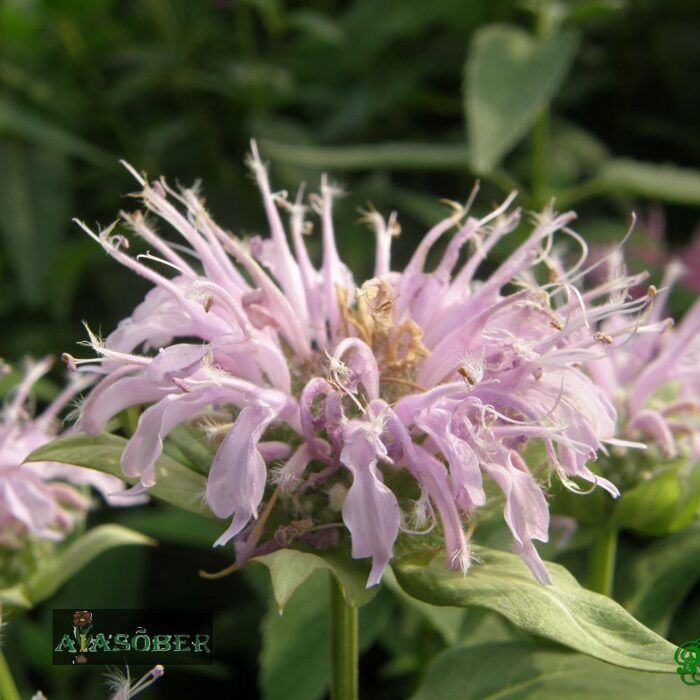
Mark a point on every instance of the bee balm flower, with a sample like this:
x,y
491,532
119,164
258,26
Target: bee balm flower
x,y
397,398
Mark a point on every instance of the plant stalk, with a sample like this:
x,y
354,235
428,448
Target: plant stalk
x,y
8,689
343,624
539,136
601,561
539,143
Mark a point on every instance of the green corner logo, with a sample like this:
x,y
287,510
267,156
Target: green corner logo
x,y
686,657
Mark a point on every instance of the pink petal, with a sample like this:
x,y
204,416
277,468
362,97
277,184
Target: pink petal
x,y
237,477
370,509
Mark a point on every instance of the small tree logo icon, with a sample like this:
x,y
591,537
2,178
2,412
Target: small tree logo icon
x,y
82,625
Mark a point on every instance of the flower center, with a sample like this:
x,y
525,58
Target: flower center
x,y
397,347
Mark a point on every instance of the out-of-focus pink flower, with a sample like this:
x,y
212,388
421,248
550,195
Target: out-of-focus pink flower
x,y
40,498
650,250
431,374
654,250
690,259
654,377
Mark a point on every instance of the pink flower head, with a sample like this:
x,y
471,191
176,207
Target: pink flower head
x,y
312,383
40,498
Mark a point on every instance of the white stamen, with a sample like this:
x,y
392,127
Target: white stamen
x,y
121,687
422,517
141,179
472,367
149,256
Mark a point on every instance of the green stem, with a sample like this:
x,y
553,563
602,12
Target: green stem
x,y
8,689
539,137
601,561
540,159
343,646
590,188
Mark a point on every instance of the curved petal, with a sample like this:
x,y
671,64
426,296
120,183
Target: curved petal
x,y
370,509
175,362
433,478
146,444
237,477
653,424
113,394
526,511
464,465
362,363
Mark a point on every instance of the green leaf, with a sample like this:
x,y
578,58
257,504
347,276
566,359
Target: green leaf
x,y
509,77
175,483
659,579
564,612
289,568
481,626
664,183
444,619
194,446
382,156
662,504
514,671
62,566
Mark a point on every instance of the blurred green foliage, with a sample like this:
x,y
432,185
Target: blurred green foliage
x,y
404,101
370,90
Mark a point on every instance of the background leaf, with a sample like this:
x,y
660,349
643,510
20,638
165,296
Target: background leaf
x,y
664,503
509,77
383,156
58,569
661,183
655,583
